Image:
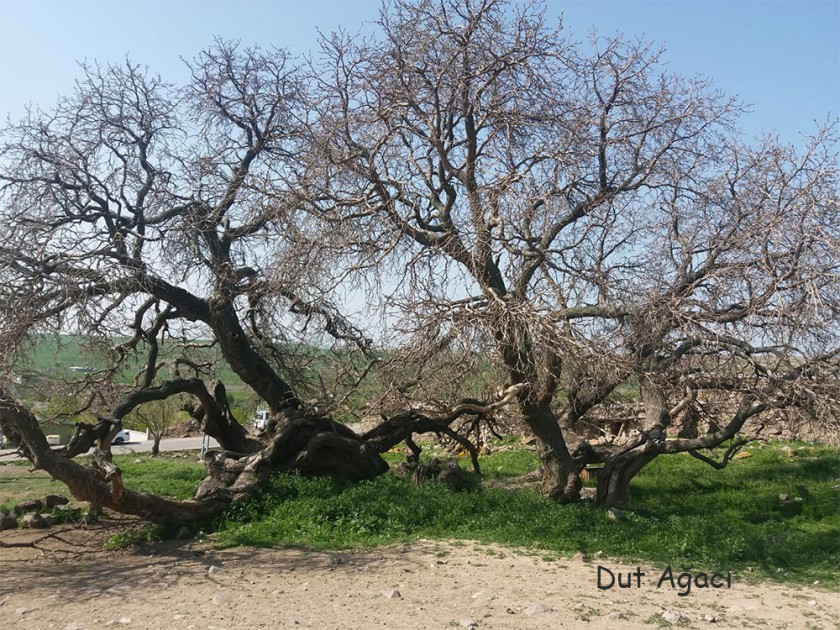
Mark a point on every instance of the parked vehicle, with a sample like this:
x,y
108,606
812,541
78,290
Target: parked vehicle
x,y
121,437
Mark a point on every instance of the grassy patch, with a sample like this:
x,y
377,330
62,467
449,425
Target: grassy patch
x,y
19,483
683,513
171,476
167,476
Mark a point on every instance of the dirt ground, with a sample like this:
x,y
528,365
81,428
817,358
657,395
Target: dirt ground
x,y
71,583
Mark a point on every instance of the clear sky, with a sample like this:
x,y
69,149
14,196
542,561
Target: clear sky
x,y
783,57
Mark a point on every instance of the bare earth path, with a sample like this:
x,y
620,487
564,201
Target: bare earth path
x,y
427,584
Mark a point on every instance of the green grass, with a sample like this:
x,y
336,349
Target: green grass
x,y
19,483
684,514
173,475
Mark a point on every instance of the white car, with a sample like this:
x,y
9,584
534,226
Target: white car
x,y
121,437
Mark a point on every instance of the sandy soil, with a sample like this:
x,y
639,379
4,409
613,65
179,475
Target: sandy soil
x,y
72,583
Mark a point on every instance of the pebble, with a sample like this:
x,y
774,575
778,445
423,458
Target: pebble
x,y
538,609
470,624
74,625
672,616
219,599
23,610
125,621
813,602
616,515
392,594
710,618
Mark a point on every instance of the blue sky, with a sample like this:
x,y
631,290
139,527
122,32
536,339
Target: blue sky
x,y
783,57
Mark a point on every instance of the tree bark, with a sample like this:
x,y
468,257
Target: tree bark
x,y
560,480
614,478
248,364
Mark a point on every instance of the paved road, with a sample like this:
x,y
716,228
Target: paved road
x,y
168,444
145,446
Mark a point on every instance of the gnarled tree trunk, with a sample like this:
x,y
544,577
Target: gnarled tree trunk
x,y
560,479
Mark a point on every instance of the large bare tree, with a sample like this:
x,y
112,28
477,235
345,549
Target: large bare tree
x,y
147,218
572,217
581,214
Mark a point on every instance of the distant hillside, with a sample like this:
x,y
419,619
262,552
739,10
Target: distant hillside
x,y
70,356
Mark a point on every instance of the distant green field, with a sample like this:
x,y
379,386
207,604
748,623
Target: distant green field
x,y
71,357
56,355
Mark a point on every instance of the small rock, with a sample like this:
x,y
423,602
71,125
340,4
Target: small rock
x,y
292,622
54,500
22,611
616,615
616,515
469,624
138,461
392,594
538,609
7,521
578,557
33,521
28,506
452,476
124,621
813,602
219,599
179,616
212,570
710,618
784,497
74,625
798,499
672,616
